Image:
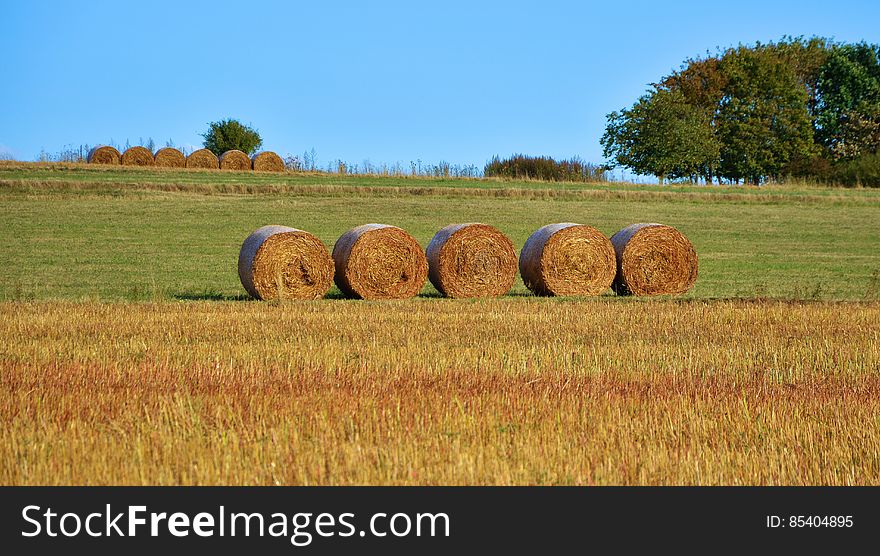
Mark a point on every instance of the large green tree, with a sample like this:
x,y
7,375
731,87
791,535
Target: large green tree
x,y
849,109
663,135
796,107
700,81
763,120
806,58
230,134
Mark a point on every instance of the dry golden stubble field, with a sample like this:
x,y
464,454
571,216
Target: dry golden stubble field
x,y
510,391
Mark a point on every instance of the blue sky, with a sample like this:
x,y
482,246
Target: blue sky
x,y
383,81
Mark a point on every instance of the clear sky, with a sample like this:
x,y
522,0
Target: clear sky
x,y
384,81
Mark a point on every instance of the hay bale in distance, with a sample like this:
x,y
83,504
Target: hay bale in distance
x,y
567,259
137,156
377,261
471,260
235,160
277,262
104,154
169,157
202,158
653,259
267,161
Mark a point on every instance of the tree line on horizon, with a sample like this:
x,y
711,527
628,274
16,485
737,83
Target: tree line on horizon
x,y
802,108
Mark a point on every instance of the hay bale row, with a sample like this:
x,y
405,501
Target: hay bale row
x,y
169,157
378,261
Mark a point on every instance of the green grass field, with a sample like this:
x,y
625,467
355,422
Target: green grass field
x,y
121,234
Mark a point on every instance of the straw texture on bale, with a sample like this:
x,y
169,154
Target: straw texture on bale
x,y
267,161
169,157
567,259
234,160
202,158
104,154
277,262
137,156
653,259
471,260
377,261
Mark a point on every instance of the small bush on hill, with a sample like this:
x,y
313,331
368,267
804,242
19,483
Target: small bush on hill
x,y
543,168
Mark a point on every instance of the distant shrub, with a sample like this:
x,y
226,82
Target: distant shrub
x,y
544,168
231,135
864,171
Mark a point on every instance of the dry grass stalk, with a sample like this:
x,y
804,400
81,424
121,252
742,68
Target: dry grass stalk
x,y
169,157
653,259
137,156
235,160
267,161
471,260
567,259
277,262
202,158
377,261
104,154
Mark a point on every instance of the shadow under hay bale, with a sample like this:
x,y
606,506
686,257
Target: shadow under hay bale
x,y
137,156
169,157
377,261
267,161
104,154
471,260
202,158
235,160
653,259
278,262
567,259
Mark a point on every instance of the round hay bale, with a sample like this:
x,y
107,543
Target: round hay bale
x,y
567,259
653,259
235,160
202,158
169,157
377,261
104,154
137,156
267,161
277,262
471,260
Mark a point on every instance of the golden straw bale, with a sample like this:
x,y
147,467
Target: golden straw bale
x,y
104,154
267,161
377,261
137,156
202,158
471,260
169,157
277,262
567,259
235,160
653,259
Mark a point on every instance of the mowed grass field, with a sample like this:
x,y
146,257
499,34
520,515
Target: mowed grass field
x,y
131,357
130,234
